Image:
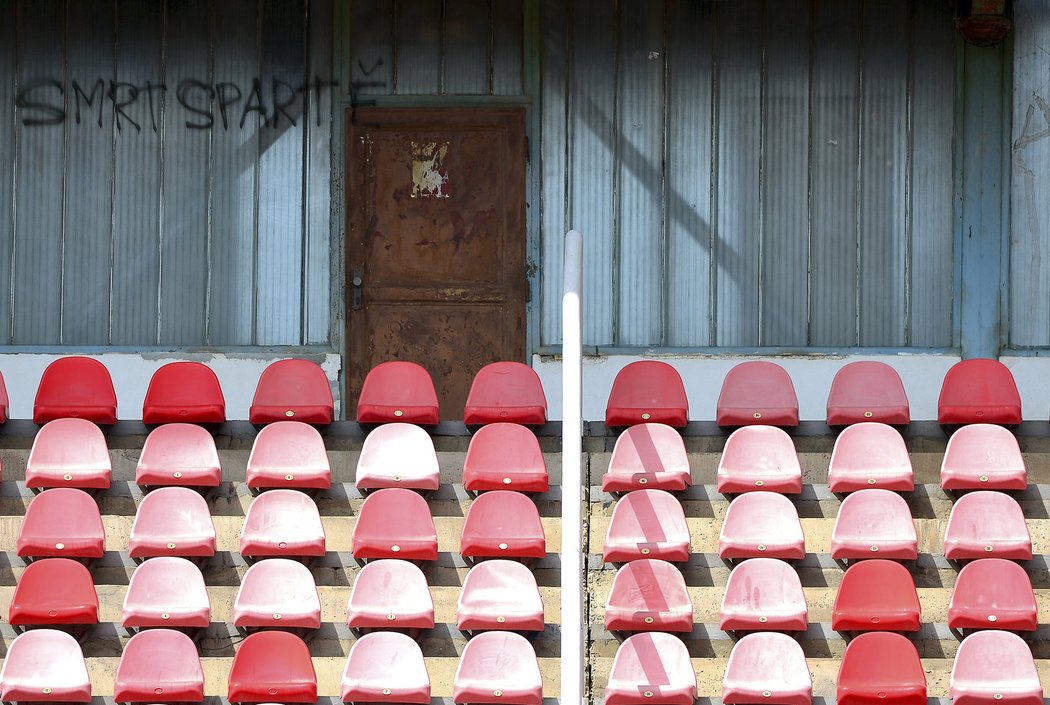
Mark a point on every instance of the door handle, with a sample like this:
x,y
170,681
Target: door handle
x,y
355,281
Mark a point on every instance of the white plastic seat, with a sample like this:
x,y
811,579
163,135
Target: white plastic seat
x,y
398,455
289,454
759,458
983,457
279,592
874,524
500,594
870,455
761,524
763,594
994,668
767,667
987,524
648,456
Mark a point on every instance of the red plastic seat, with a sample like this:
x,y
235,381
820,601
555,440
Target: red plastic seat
x,y
647,524
172,521
54,591
983,457
502,524
867,391
987,524
292,389
764,594
395,523
44,665
289,454
179,454
62,522
757,392
498,666
272,666
500,594
390,594
69,453
166,592
759,458
398,391
649,455
648,390
881,667
386,667
870,455
282,523
159,665
506,391
767,667
76,387
651,667
992,593
649,595
3,400
504,456
874,524
186,392
979,391
761,524
398,455
279,592
876,595
994,667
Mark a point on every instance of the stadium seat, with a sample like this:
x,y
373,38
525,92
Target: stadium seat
x,y
870,455
648,390
757,392
764,594
506,391
647,524
386,667
398,391
159,665
395,523
651,667
767,667
649,455
649,595
179,454
867,391
54,591
62,522
504,456
398,455
187,392
979,391
500,594
761,524
876,595
292,389
172,521
498,666
502,524
3,400
881,667
279,592
987,524
390,594
76,387
992,593
272,666
993,667
874,524
983,457
166,592
759,458
44,665
282,523
69,453
289,454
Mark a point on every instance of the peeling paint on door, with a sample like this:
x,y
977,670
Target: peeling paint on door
x,y
429,175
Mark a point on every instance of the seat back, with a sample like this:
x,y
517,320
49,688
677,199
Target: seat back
x,y
159,665
44,665
272,666
398,391
506,391
277,593
647,390
983,456
761,524
979,391
648,455
993,593
498,661
395,523
292,389
647,524
767,667
504,456
184,392
987,524
878,666
179,454
654,665
759,458
874,524
78,387
648,595
867,391
870,455
500,594
763,594
503,523
54,591
167,591
289,454
172,521
390,594
69,453
757,392
62,522
994,663
386,667
398,455
876,595
282,523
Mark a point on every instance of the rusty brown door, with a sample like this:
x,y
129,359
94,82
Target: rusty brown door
x,y
435,243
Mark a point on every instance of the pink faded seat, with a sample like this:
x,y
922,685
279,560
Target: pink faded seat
x,y
398,391
649,595
386,667
172,521
867,391
54,591
395,523
648,390
44,665
993,593
761,524
767,667
390,594
289,454
870,455
994,667
504,456
502,524
759,458
279,592
876,595
76,387
500,594
764,594
69,453
282,523
498,666
647,524
159,665
983,457
184,392
881,667
757,392
398,455
179,454
292,389
651,667
166,592
649,455
3,400
979,391
272,666
506,391
874,524
62,522
987,524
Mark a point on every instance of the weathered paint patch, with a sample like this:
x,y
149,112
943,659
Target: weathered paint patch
x,y
429,175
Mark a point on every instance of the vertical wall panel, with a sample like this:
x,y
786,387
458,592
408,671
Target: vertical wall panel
x,y
8,85
467,64
508,24
317,122
553,198
371,39
417,33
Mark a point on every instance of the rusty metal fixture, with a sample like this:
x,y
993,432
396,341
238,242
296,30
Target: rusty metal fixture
x,y
983,22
